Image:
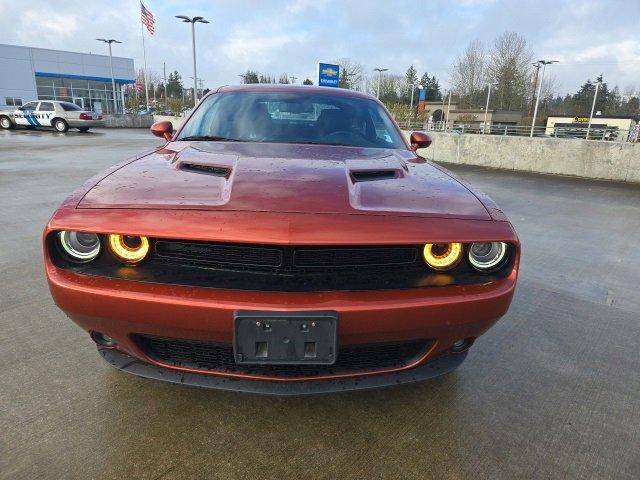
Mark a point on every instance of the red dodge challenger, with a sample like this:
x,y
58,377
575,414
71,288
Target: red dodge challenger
x,y
284,240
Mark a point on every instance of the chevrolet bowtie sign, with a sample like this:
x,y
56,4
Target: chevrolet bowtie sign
x,y
328,75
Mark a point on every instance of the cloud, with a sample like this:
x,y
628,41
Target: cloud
x,y
591,36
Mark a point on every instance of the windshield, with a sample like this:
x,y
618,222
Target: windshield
x,y
293,118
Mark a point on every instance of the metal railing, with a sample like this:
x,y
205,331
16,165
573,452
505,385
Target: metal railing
x,y
596,132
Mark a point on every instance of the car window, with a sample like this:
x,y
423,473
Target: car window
x,y
46,107
294,117
30,106
70,107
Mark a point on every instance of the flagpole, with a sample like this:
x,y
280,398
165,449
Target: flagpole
x,y
144,55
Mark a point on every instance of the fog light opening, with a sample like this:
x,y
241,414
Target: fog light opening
x,y
461,345
103,339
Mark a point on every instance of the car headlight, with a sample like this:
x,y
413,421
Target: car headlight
x,y
442,256
488,255
80,246
128,248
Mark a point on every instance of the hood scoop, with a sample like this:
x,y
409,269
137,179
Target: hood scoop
x,y
372,175
215,170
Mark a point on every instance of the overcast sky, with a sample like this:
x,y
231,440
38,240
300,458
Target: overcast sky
x,y
589,37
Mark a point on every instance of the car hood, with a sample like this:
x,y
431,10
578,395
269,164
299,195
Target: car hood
x,y
285,178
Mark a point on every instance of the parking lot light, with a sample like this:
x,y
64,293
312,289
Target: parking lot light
x,y
193,22
113,81
486,108
544,64
379,70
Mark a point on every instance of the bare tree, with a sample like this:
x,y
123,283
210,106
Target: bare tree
x,y
468,74
510,67
352,74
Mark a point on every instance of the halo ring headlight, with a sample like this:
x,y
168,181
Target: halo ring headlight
x,y
128,248
487,256
442,256
81,247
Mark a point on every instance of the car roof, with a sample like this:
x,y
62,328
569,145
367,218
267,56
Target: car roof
x,y
288,88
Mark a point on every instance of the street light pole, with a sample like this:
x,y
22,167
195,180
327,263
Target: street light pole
x,y
379,70
113,81
446,120
193,22
593,106
486,108
164,72
544,64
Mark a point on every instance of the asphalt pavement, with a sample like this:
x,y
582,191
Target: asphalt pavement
x,y
552,391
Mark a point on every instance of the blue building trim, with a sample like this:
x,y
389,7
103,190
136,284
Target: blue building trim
x,y
83,77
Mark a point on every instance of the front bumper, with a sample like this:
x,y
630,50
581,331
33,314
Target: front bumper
x,y
123,308
85,123
438,366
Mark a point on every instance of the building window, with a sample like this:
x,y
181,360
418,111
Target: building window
x,y
12,101
90,94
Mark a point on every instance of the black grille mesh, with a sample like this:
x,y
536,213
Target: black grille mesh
x,y
219,357
283,259
211,253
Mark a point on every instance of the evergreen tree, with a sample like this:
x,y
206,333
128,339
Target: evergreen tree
x,y
308,81
250,76
174,85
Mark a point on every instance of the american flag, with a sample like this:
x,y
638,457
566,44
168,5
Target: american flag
x,y
147,19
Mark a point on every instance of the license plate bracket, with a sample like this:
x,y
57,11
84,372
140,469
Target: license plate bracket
x,y
289,338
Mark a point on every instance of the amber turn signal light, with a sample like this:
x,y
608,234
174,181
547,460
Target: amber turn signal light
x,y
128,248
442,256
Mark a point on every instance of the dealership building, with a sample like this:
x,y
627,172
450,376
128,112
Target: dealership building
x,y
28,73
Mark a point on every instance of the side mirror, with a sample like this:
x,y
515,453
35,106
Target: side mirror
x,y
20,108
163,129
419,140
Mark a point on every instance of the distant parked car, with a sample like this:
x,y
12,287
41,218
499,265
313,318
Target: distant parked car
x,y
59,115
6,119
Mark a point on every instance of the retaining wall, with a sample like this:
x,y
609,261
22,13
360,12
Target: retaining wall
x,y
581,158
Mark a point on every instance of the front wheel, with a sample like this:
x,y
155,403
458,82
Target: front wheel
x,y
83,129
60,125
5,122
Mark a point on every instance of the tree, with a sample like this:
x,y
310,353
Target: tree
x,y
431,87
468,74
351,74
411,78
175,106
509,67
284,79
174,85
392,87
251,76
308,81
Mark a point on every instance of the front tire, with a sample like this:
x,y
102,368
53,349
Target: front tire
x,y
60,125
83,129
5,122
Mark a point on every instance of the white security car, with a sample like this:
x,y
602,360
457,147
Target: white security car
x,y
48,113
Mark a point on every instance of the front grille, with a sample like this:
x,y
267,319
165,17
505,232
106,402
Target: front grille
x,y
219,357
353,257
280,259
219,254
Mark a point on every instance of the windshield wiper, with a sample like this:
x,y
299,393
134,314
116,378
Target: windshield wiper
x,y
207,138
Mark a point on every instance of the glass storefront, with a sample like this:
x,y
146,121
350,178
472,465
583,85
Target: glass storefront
x,y
92,95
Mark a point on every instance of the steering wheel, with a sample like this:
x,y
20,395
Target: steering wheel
x,y
339,132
